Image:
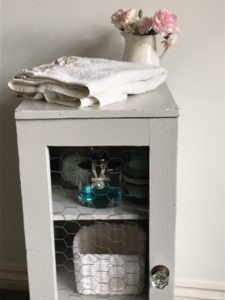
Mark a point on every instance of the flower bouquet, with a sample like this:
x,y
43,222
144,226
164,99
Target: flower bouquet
x,y
163,23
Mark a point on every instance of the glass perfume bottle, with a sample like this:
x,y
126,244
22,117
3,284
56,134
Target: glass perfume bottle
x,y
100,182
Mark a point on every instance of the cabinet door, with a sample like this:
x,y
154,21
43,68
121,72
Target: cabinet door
x,y
34,139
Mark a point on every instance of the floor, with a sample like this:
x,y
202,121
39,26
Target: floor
x,y
13,295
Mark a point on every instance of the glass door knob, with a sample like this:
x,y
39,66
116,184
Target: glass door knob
x,y
160,277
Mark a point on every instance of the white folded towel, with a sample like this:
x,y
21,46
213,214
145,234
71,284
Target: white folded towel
x,y
80,82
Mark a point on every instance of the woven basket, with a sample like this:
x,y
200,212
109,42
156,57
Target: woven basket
x,y
109,259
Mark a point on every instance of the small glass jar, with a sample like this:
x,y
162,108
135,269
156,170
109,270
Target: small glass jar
x,y
100,182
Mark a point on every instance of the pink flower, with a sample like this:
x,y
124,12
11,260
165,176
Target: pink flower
x,y
164,22
144,24
123,18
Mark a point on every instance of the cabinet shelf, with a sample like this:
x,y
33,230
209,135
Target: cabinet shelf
x,y
65,207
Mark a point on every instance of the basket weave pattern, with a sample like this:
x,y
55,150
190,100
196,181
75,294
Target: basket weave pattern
x,y
109,259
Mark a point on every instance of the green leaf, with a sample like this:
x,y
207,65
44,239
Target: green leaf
x,y
140,13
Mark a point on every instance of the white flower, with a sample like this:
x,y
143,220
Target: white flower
x,y
123,18
172,38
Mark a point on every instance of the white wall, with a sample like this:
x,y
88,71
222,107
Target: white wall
x,y
35,32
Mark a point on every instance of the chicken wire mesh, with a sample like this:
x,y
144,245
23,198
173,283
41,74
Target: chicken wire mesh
x,y
101,250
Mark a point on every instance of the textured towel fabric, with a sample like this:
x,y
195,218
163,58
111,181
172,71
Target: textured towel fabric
x,y
80,82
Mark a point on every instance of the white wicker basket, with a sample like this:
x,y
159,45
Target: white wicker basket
x,y
109,259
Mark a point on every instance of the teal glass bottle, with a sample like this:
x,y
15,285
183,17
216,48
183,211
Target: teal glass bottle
x,y
100,183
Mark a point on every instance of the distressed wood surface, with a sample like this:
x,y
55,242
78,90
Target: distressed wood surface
x,y
162,213
156,103
37,211
87,132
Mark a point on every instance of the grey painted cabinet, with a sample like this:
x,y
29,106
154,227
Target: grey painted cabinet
x,y
125,246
